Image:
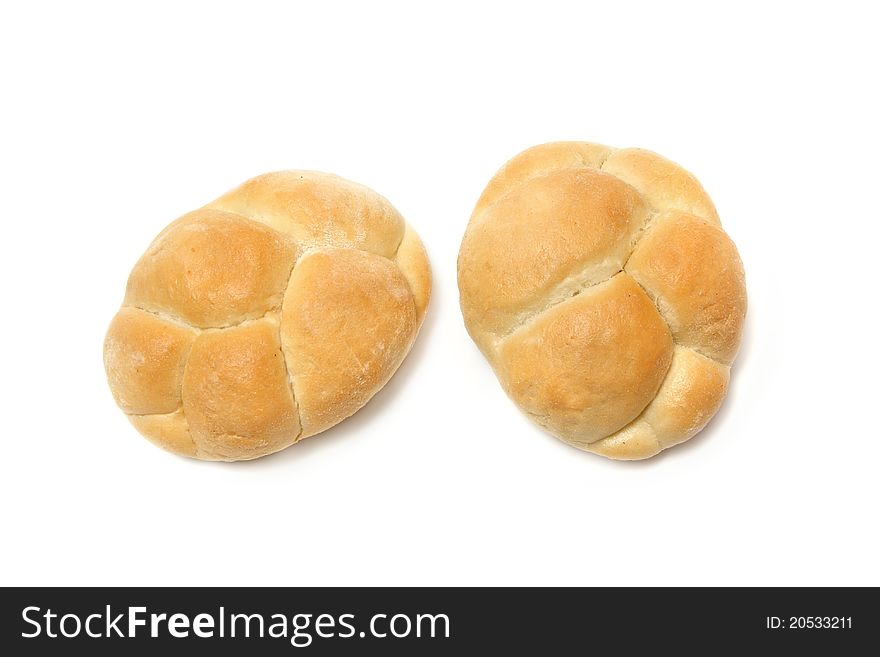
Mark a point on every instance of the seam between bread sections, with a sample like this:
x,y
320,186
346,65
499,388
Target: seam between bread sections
x,y
309,246
290,377
291,385
196,446
656,301
178,409
168,317
412,299
412,294
202,329
185,362
197,452
400,241
165,316
640,233
556,300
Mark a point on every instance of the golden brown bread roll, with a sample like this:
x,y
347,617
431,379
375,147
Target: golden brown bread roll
x,y
267,316
602,289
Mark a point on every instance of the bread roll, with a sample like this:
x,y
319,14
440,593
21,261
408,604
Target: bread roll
x,y
602,289
267,316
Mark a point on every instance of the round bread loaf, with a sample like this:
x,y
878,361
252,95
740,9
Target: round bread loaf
x,y
602,289
267,316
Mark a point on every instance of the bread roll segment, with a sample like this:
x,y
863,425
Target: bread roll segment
x,y
267,316
347,321
212,269
606,296
236,391
144,355
610,332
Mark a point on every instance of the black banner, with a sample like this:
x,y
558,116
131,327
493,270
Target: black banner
x,y
433,621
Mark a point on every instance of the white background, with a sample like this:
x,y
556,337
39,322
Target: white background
x,y
116,120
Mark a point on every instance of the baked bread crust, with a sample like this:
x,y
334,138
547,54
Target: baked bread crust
x,y
603,291
267,316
